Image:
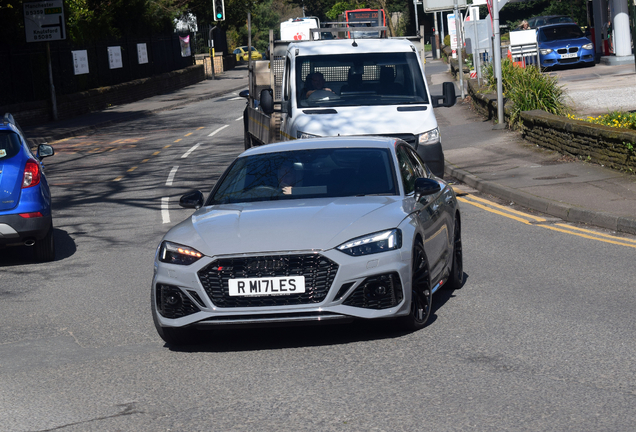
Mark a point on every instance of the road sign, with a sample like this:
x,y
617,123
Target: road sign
x,y
44,21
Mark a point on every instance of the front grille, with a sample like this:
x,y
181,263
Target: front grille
x,y
377,292
569,50
319,274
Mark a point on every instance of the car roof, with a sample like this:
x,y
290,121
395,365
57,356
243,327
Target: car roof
x,y
549,26
9,123
329,142
563,19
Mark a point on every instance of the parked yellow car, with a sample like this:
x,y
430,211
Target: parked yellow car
x,y
242,54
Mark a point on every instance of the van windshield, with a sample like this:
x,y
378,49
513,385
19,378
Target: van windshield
x,y
359,80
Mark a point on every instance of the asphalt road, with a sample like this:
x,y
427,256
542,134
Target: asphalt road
x,y
541,337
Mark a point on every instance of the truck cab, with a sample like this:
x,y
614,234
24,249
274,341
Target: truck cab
x,y
370,87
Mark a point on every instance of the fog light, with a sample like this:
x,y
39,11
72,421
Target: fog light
x,y
173,299
376,289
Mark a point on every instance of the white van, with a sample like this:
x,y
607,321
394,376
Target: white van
x,y
299,29
372,87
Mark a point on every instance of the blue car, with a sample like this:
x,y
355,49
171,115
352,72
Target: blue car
x,y
25,198
563,45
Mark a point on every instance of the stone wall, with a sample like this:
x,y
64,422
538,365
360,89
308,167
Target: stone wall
x,y
603,145
68,106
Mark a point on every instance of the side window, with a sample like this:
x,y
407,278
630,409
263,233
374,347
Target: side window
x,y
407,171
420,167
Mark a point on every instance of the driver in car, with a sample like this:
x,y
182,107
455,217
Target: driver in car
x,y
315,82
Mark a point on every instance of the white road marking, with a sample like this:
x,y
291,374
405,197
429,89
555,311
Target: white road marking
x,y
240,118
193,148
173,172
165,210
236,98
218,130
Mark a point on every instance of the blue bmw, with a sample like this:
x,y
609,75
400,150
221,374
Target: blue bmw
x,y
25,198
564,44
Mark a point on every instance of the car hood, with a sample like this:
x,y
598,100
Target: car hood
x,y
355,120
312,224
577,42
11,173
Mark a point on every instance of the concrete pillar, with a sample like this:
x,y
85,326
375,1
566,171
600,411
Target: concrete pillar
x,y
599,19
622,35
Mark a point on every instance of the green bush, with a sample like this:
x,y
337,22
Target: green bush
x,y
528,89
447,40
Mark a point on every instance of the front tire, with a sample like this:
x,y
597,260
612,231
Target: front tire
x,y
421,297
456,278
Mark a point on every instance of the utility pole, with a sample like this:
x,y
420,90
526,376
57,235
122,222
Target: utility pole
x,y
460,46
437,51
497,64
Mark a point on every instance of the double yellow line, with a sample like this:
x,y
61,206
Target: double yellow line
x,y
537,221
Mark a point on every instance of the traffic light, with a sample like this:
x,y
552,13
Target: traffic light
x,y
218,7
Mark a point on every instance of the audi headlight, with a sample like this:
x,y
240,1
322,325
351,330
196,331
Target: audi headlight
x,y
430,137
302,135
588,46
174,253
373,243
545,51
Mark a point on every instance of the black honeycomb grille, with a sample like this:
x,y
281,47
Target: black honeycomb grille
x,y
319,274
377,292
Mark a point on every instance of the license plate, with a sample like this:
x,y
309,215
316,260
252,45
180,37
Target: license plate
x,y
267,286
572,55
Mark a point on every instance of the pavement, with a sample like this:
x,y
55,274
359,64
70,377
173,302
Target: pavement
x,y
494,162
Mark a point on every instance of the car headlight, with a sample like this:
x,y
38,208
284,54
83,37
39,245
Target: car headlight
x,y
373,243
174,253
303,135
545,51
430,137
588,46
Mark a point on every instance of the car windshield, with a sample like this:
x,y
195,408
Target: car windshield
x,y
548,34
9,144
360,80
318,173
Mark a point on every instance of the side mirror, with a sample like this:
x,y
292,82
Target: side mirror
x,y
425,187
267,101
245,94
192,199
45,150
448,98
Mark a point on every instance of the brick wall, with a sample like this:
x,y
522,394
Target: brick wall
x,y
603,145
76,104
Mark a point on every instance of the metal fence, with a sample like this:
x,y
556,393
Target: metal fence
x,y
24,74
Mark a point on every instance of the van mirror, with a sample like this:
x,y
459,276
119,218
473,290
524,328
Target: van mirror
x,y
267,101
448,98
245,94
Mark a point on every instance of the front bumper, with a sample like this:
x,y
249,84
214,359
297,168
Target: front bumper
x,y
340,288
554,59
